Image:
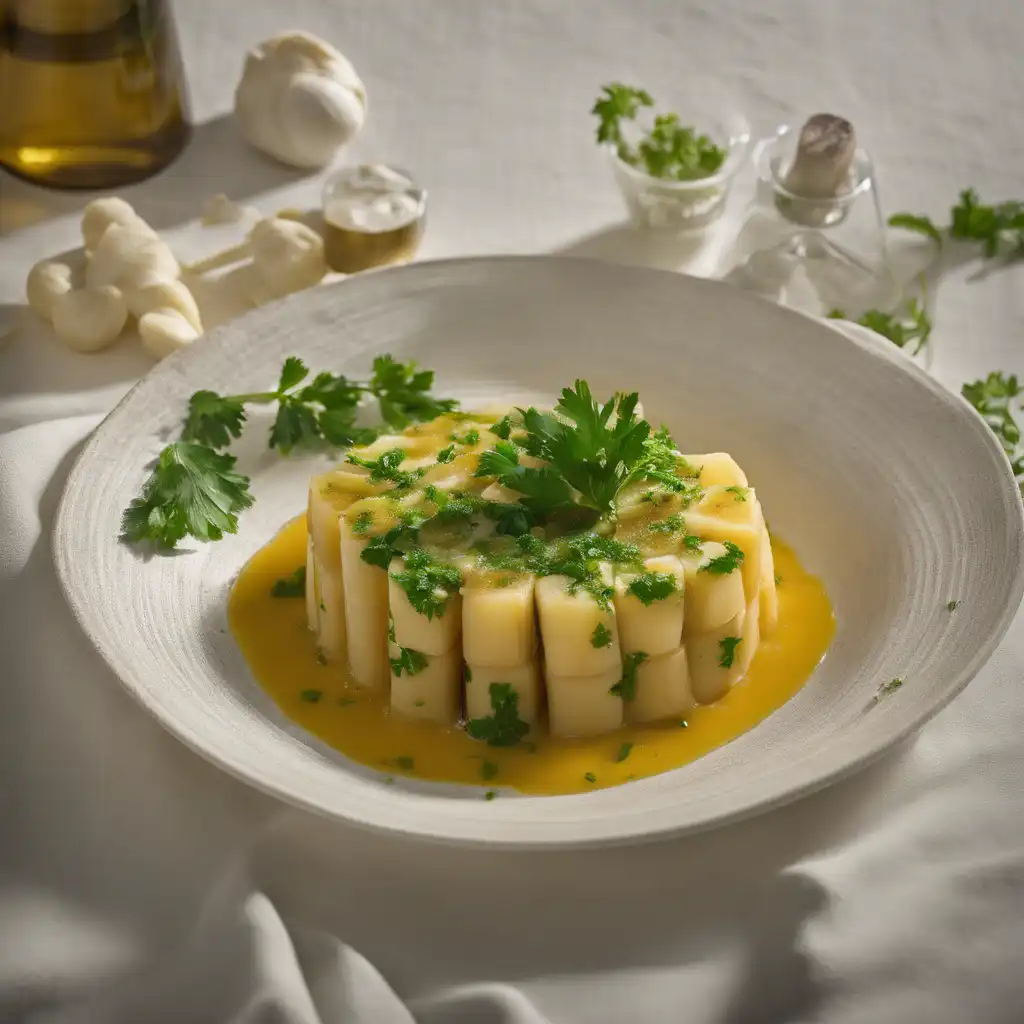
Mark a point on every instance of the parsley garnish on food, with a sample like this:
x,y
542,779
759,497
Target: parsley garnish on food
x,y
952,606
408,661
626,686
649,587
470,438
192,491
667,150
446,455
739,492
914,325
427,583
503,728
490,794
994,398
290,586
727,646
672,524
722,565
692,543
624,751
488,770
590,777
311,696
385,467
363,522
601,637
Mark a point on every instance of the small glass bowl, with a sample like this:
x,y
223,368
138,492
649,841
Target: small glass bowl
x,y
664,203
374,216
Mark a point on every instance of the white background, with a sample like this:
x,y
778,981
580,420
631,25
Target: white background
x,y
131,867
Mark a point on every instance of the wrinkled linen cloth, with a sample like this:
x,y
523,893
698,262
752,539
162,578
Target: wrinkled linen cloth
x,y
140,885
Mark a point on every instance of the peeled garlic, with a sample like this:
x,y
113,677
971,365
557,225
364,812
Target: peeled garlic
x,y
128,256
287,255
164,295
89,319
165,331
46,283
101,213
299,99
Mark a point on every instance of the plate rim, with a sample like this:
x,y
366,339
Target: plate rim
x,y
885,741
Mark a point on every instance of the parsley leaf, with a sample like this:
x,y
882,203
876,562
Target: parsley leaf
x,y
503,728
192,491
590,777
427,583
691,543
408,661
602,636
624,752
722,565
385,467
488,770
446,455
671,524
403,392
363,522
901,329
213,420
887,688
994,399
739,492
913,222
290,586
311,696
727,645
626,686
649,587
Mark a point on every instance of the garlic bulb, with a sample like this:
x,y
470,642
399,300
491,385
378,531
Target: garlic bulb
x,y
165,331
46,283
127,256
299,99
89,319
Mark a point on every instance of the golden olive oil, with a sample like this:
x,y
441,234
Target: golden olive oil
x,y
91,91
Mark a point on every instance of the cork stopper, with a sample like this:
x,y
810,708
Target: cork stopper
x,y
820,170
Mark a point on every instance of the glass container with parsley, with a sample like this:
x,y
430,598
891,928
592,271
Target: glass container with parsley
x,y
671,174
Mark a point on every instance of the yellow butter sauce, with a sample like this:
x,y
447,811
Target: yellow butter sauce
x,y
281,653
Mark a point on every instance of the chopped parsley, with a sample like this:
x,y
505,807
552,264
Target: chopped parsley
x,y
739,492
446,454
290,586
952,606
428,584
724,564
503,728
692,543
488,770
888,688
470,438
490,794
671,524
649,587
408,661
311,696
727,645
469,674
363,522
601,637
590,777
624,752
626,686
386,468
405,763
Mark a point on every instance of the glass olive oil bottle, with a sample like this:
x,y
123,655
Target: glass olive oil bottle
x,y
91,91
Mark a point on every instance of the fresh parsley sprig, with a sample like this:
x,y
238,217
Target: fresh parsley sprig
x,y
668,149
194,489
504,727
998,227
996,397
912,326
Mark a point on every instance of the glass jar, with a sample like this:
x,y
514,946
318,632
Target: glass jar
x,y
91,91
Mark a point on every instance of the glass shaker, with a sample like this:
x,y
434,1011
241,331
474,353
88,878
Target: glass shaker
x,y
91,91
814,235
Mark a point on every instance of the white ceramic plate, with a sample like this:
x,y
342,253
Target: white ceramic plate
x,y
889,487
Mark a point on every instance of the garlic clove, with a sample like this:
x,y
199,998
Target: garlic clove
x,y
287,255
299,99
164,295
101,213
47,281
89,319
164,331
128,255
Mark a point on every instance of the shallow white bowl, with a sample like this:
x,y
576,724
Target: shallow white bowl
x,y
889,487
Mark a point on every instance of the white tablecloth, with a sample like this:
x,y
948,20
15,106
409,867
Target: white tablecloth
x,y
139,884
